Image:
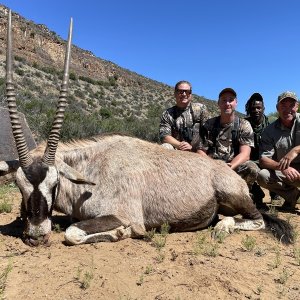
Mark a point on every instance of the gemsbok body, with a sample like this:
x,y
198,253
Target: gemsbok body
x,y
120,187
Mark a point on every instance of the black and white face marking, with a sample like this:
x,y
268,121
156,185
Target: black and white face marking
x,y
38,184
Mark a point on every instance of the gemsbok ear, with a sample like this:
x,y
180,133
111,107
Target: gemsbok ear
x,y
9,166
71,173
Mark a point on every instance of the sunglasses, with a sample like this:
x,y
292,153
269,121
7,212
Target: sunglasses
x,y
181,92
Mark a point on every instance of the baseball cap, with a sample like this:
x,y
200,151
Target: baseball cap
x,y
227,90
287,94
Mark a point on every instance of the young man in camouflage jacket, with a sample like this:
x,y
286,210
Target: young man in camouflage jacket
x,y
229,138
180,124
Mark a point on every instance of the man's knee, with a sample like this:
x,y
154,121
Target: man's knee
x,y
248,171
263,177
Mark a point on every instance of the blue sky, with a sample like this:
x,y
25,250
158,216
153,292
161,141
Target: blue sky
x,y
251,46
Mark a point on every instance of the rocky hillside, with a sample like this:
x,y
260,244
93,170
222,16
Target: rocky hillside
x,y
102,96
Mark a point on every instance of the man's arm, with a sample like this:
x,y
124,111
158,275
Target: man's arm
x,y
267,151
184,146
165,133
243,156
285,161
268,163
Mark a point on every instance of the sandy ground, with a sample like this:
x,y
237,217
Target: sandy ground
x,y
246,265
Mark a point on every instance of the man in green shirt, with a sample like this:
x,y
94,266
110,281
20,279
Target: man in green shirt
x,y
279,152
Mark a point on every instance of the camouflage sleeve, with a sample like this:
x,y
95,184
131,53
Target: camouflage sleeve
x,y
204,115
165,126
204,142
246,136
266,146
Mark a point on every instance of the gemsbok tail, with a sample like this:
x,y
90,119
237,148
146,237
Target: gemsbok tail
x,y
281,229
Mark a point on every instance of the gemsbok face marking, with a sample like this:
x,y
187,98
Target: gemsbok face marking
x,y
39,188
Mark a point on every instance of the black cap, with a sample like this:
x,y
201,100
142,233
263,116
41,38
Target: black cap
x,y
227,90
257,97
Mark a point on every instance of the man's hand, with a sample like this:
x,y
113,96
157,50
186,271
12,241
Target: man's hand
x,y
285,162
291,174
229,165
184,146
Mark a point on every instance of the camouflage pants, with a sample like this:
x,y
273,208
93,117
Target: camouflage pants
x,y
248,171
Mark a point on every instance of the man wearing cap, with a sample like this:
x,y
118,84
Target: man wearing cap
x,y
181,122
229,138
279,152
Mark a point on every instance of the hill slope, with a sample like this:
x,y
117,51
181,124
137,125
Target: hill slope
x,y
102,95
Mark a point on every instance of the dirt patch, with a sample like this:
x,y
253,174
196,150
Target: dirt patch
x,y
246,265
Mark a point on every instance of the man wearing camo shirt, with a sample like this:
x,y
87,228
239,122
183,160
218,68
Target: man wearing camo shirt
x,y
180,124
229,138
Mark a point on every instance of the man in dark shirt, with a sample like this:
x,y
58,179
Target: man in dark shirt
x,y
255,109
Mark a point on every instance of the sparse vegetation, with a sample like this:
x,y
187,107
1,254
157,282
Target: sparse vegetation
x,y
297,255
277,260
159,239
5,197
5,206
206,245
284,276
248,243
85,276
3,278
56,228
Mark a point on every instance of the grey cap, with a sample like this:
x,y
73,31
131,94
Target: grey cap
x,y
287,94
227,90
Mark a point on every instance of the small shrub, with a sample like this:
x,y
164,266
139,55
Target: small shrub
x,y
87,79
149,269
56,228
248,243
283,276
150,234
20,59
73,76
105,112
140,280
79,93
159,241
84,278
212,249
5,206
297,255
206,245
3,278
19,71
277,260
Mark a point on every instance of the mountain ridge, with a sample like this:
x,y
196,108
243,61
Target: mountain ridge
x,y
97,87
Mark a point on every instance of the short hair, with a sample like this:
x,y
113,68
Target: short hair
x,y
180,82
252,99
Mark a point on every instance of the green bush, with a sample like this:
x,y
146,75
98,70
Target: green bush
x,y
19,71
73,76
105,112
87,79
